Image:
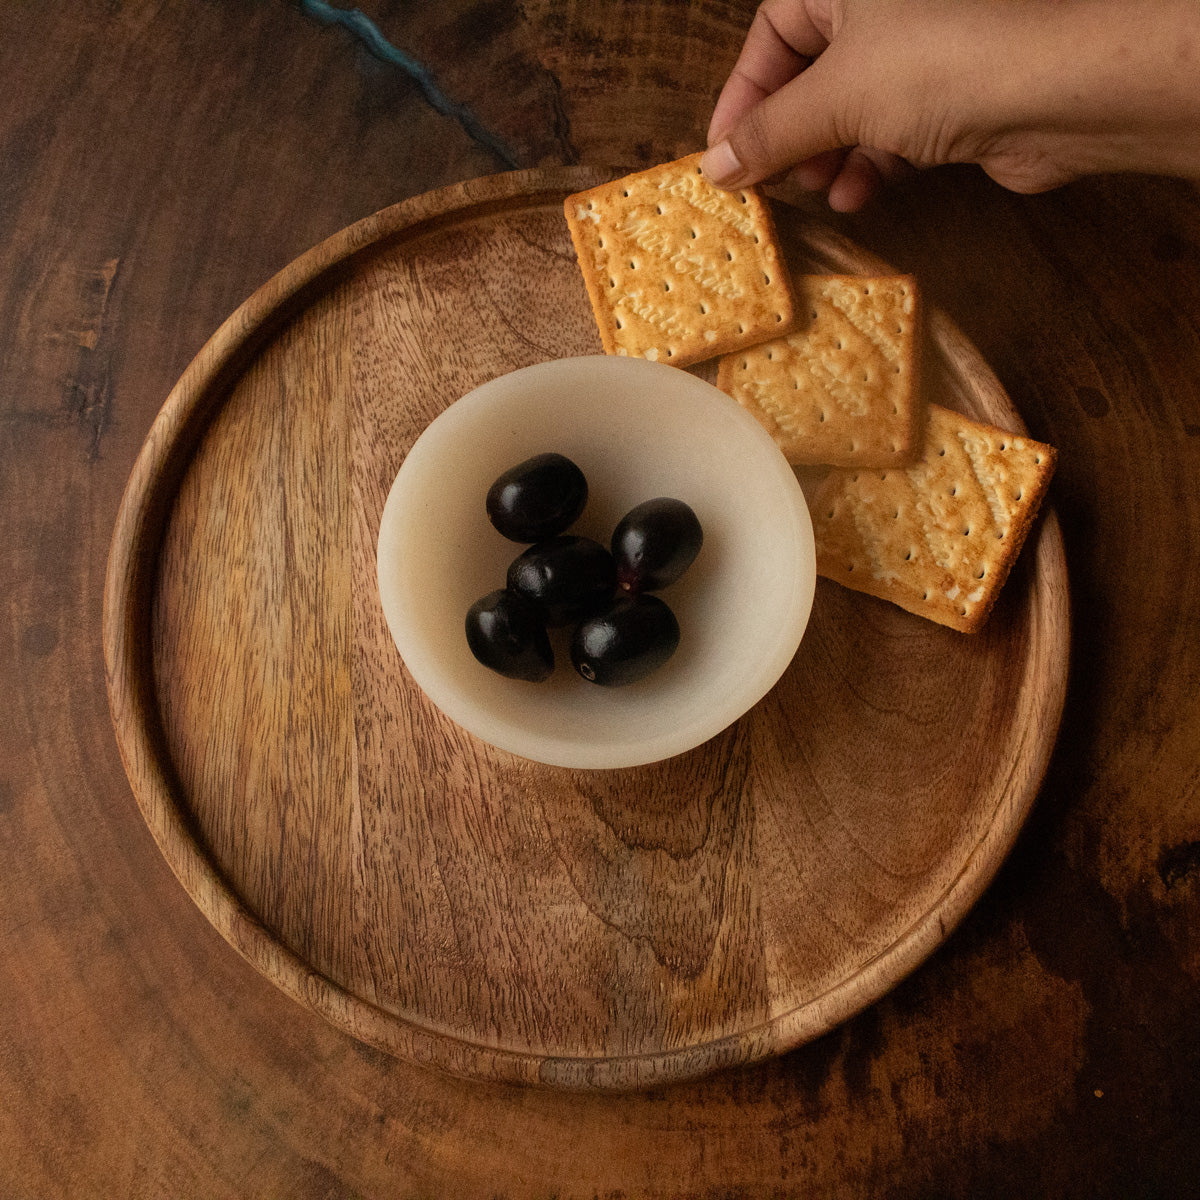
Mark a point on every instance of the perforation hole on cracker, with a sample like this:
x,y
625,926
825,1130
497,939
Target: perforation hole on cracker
x,y
870,529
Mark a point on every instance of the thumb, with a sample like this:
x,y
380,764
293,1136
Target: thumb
x,y
800,120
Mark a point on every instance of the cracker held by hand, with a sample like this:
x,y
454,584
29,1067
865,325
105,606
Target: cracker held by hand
x,y
939,537
678,270
842,387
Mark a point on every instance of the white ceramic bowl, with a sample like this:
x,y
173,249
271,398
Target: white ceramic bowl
x,y
638,430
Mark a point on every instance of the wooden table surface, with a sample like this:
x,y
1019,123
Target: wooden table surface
x,y
160,161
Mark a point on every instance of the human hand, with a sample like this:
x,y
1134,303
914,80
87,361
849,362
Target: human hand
x,y
844,95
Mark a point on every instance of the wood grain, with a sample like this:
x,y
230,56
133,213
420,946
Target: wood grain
x,y
448,901
158,162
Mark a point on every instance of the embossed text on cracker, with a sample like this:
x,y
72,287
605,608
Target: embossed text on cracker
x,y
701,194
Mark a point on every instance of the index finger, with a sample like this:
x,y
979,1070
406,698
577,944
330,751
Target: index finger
x,y
782,41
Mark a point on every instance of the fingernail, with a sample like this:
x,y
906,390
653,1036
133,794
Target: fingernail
x,y
721,166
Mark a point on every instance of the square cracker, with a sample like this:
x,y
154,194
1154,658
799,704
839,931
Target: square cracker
x,y
938,537
842,388
678,270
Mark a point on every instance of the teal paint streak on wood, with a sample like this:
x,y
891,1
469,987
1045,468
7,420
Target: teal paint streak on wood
x,y
368,33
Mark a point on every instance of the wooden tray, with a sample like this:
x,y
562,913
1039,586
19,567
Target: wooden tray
x,y
449,902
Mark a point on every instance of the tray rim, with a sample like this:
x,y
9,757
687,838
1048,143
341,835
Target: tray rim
x,y
132,567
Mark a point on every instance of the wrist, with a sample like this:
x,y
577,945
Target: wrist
x,y
1111,85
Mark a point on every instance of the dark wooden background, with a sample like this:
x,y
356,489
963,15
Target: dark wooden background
x,y
157,163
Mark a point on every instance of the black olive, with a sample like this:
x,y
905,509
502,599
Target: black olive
x,y
538,498
655,543
507,633
624,643
567,577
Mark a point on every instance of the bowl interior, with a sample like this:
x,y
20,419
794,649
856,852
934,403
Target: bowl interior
x,y
638,430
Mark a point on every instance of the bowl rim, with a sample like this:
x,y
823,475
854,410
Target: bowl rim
x,y
577,751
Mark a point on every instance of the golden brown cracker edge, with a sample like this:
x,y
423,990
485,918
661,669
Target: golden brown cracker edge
x,y
694,318
941,586
803,444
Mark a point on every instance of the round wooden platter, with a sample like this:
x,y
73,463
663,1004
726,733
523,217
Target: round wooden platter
x,y
450,902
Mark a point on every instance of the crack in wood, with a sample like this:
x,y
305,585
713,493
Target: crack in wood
x,y
360,26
